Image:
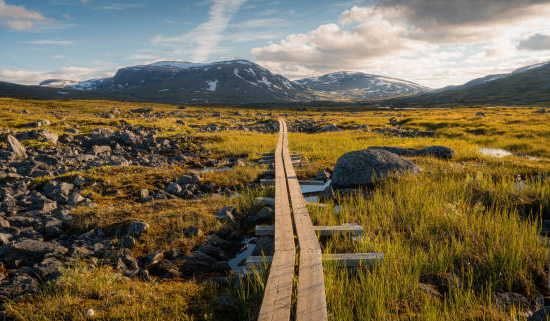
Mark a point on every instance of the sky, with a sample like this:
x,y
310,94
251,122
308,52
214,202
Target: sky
x,y
435,43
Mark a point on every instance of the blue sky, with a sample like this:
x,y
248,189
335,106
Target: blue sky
x,y
82,39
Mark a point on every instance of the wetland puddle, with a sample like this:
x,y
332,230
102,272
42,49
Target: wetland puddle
x,y
494,152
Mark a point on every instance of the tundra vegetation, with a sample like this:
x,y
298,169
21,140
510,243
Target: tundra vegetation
x,y
462,240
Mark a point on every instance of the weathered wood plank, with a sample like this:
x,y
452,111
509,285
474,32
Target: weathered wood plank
x,y
277,300
353,259
311,300
267,181
353,230
338,260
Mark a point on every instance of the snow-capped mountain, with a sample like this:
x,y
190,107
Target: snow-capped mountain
x,y
233,81
358,85
57,83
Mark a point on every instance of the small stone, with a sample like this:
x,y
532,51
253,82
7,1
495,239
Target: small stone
x,y
192,231
128,242
143,275
173,188
143,193
15,147
79,180
90,312
137,228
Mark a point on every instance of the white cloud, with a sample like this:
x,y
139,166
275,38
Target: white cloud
x,y
207,35
35,77
141,56
435,43
51,42
18,17
536,42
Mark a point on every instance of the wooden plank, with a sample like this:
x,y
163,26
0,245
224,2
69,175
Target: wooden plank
x,y
339,260
267,181
353,230
311,300
277,300
353,259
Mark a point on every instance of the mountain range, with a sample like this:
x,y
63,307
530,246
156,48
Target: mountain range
x,y
237,82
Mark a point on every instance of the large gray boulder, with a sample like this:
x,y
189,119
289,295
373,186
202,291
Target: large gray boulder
x,y
15,147
435,151
364,167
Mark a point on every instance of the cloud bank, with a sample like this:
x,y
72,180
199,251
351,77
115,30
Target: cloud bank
x,y
417,39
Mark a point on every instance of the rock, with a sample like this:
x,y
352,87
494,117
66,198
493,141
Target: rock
x,y
394,122
435,151
30,250
128,138
143,195
188,179
153,257
18,286
128,242
509,300
173,188
143,275
48,269
192,231
540,111
101,150
540,315
47,136
264,246
75,199
4,222
53,226
329,128
58,191
265,214
102,134
225,214
366,166
5,238
480,114
15,147
171,254
180,122
438,152
137,228
38,123
221,266
323,175
429,289
78,180
401,151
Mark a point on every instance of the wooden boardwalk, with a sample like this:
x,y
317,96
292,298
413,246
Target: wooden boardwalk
x,y
310,292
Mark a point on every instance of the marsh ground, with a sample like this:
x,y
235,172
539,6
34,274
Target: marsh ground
x,y
458,238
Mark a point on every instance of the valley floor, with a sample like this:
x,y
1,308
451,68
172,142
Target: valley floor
x,y
131,211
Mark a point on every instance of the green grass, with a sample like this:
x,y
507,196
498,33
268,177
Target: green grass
x,y
464,228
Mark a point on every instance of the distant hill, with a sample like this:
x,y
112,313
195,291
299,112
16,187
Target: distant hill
x,y
240,82
358,85
528,85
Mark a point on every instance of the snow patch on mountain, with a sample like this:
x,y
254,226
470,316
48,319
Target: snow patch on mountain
x,y
212,85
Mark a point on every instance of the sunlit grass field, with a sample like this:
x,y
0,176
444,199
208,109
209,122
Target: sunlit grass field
x,y
452,237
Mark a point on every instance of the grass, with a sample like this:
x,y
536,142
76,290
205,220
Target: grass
x,y
463,229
